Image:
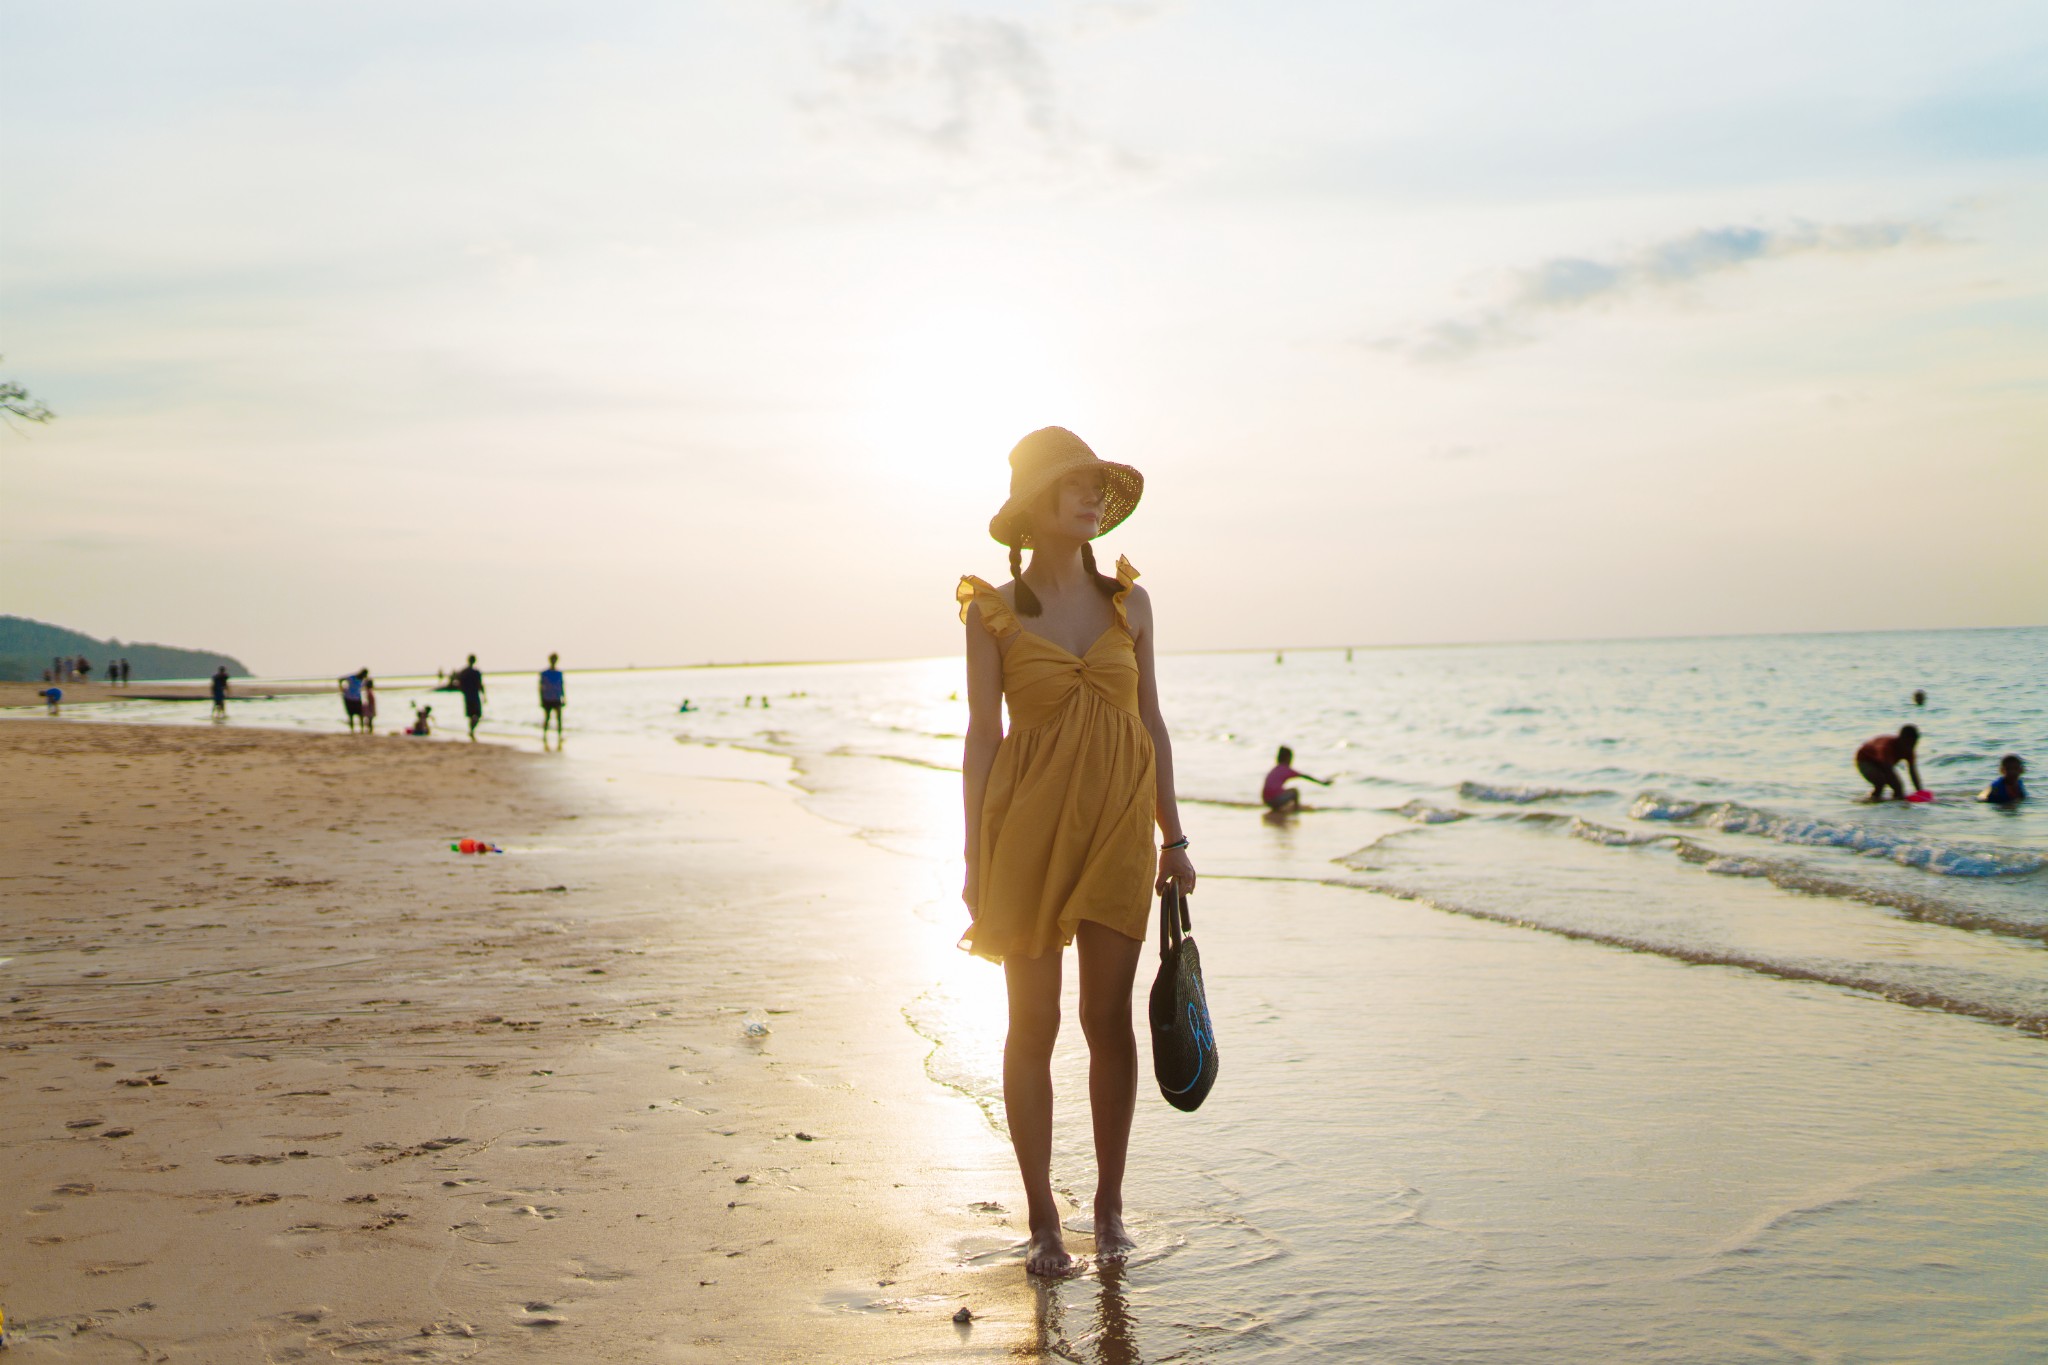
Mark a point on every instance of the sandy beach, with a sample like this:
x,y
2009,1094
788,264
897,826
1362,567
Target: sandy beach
x,y
340,1093
287,1079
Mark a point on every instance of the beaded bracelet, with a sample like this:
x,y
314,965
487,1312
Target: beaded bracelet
x,y
1181,842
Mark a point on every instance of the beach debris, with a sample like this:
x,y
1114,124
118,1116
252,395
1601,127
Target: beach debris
x,y
118,1133
741,1179
85,1123
755,1028
965,1314
804,1137
473,846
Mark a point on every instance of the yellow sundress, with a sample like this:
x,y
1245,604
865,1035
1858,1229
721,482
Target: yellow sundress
x,y
1066,825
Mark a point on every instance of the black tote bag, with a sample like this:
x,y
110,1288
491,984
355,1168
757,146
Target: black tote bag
x,y
1183,1043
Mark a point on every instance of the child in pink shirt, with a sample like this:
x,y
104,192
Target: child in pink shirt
x,y
1280,796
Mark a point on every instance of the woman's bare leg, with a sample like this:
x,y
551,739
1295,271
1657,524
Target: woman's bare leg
x,y
1109,964
1034,984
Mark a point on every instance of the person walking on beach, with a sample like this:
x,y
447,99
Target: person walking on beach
x,y
220,692
552,697
1277,794
1060,811
470,683
351,688
2007,789
1879,759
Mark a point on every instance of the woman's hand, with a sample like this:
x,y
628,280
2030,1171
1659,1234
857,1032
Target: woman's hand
x,y
1175,866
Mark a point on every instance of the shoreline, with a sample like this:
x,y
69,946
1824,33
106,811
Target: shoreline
x,y
290,1078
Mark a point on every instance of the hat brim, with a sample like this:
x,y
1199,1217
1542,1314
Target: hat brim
x,y
1122,486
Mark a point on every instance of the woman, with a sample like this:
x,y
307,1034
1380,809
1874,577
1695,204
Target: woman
x,y
1060,811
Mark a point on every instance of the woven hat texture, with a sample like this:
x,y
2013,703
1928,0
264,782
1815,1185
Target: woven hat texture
x,y
1041,460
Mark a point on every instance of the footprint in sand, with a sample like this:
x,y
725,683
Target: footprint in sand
x,y
477,1232
597,1274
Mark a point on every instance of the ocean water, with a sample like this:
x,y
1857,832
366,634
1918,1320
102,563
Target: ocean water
x,y
1588,1014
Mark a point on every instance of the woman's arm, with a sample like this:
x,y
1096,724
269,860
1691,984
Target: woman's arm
x,y
1174,864
984,735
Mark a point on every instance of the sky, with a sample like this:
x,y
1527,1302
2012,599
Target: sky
x,y
663,332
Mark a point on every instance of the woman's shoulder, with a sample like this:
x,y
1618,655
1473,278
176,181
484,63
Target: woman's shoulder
x,y
995,605
1133,603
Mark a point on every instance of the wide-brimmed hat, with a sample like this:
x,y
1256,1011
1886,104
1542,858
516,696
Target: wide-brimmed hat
x,y
1041,460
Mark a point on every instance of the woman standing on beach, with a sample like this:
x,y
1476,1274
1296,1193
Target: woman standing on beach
x,y
1060,811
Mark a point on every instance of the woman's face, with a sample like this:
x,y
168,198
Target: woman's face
x,y
1072,508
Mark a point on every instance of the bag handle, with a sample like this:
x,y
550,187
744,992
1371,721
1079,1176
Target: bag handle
x,y
1173,918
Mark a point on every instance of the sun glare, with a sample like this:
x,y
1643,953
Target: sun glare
x,y
964,383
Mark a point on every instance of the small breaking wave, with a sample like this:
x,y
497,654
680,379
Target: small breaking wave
x,y
1510,794
1422,813
1790,875
1845,975
1929,855
1595,833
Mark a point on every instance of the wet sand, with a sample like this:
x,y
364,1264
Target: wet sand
x,y
30,694
287,1079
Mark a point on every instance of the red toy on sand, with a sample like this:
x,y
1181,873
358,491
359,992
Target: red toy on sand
x,y
1922,797
474,846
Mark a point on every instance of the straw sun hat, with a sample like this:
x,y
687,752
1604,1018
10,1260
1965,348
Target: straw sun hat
x,y
1041,460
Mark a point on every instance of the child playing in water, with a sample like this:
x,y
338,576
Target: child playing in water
x,y
2007,789
1280,796
1879,759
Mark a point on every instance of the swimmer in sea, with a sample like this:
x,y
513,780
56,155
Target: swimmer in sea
x,y
2007,790
1278,795
1879,759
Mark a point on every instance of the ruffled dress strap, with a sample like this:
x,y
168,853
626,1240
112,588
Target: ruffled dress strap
x,y
995,612
1126,579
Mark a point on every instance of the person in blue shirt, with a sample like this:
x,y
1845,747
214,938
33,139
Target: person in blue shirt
x,y
53,696
552,698
2007,790
351,688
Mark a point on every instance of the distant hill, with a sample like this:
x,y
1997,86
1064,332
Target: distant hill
x,y
26,648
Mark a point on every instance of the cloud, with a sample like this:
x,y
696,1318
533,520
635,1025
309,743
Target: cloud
x,y
962,88
1566,284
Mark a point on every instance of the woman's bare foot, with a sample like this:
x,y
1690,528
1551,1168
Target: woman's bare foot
x,y
1112,1242
1046,1252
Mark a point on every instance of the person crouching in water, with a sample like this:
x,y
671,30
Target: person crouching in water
x,y
2007,790
422,720
1061,810
1279,796
1879,759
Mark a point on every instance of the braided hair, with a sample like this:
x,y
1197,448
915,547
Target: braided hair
x,y
1027,600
